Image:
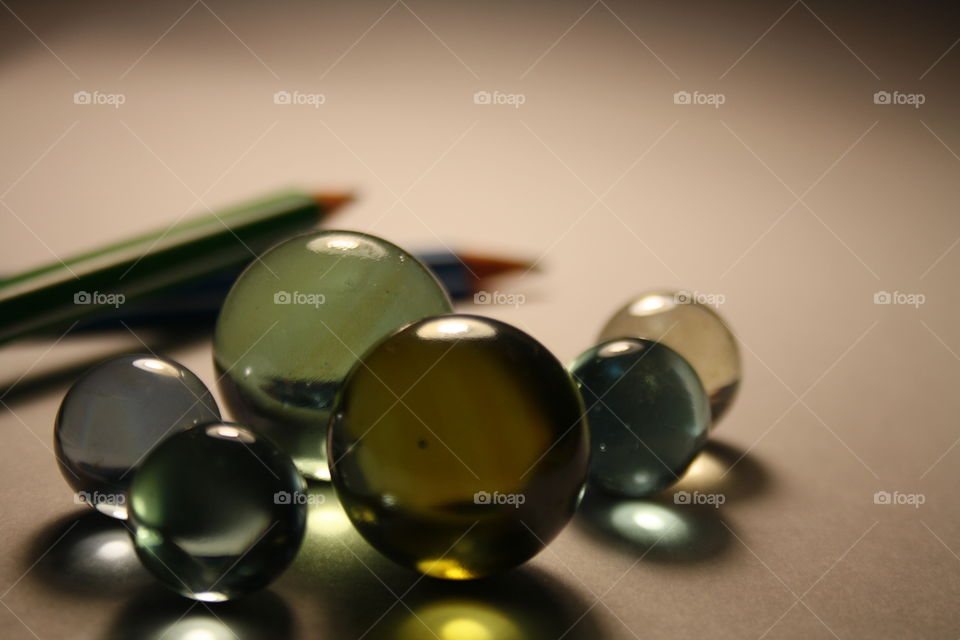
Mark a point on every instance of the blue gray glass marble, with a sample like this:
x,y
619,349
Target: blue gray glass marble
x,y
114,414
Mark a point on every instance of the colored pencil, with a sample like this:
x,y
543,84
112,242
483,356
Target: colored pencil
x,y
217,244
463,275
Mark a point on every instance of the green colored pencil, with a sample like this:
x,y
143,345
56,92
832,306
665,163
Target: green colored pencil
x,y
86,285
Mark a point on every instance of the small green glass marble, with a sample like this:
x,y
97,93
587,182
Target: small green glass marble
x,y
692,329
458,446
217,512
114,414
296,321
648,414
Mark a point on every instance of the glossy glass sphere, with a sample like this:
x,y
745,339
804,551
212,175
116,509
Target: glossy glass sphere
x,y
648,414
217,512
299,317
690,328
458,446
114,414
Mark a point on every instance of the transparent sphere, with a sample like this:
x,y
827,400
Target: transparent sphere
x,y
458,447
114,414
296,321
690,328
217,512
648,414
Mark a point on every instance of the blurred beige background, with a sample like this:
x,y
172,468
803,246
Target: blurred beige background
x,y
795,201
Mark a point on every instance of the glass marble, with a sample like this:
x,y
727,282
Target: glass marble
x,y
648,413
296,321
459,447
690,328
114,414
217,511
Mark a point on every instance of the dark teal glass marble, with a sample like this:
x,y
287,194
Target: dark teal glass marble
x,y
648,414
217,512
114,414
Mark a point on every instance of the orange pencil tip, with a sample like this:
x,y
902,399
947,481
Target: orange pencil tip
x,y
488,266
333,200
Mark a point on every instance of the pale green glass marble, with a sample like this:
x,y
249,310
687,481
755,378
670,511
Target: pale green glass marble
x,y
693,330
296,321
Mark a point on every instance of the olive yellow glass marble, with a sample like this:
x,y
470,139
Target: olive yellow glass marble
x,y
458,446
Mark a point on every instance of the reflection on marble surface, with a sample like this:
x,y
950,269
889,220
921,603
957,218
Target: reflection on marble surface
x,y
685,523
356,590
725,469
655,528
156,614
86,554
522,604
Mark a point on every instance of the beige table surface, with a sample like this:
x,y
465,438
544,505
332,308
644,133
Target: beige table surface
x,y
795,202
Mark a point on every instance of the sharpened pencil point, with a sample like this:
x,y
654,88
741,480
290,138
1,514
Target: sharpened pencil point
x,y
333,200
488,266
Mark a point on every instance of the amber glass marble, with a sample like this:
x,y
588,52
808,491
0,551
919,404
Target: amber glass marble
x,y
692,329
458,446
296,321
